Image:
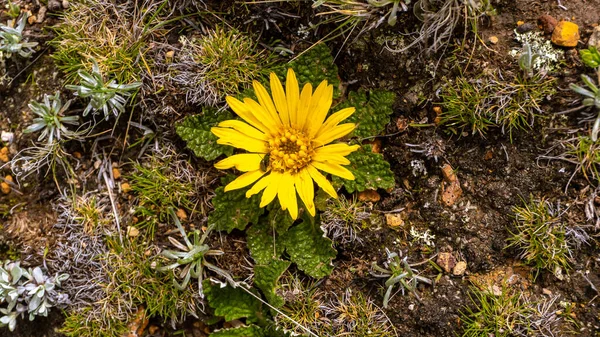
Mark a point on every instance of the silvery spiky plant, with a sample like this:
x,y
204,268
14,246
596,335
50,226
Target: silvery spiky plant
x,y
592,98
106,96
51,118
28,291
11,40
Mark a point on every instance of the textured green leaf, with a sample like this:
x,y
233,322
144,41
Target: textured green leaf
x,y
232,303
371,171
372,112
195,130
314,66
246,331
259,238
279,219
309,249
232,210
266,278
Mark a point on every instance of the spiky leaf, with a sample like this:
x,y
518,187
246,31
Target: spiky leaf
x,y
195,130
246,331
309,249
372,111
314,66
371,171
232,210
266,278
232,303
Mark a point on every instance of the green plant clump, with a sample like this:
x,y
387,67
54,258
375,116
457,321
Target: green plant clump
x,y
540,235
51,119
11,40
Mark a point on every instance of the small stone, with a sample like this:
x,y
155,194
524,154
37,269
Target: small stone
x,y
77,155
32,19
132,232
594,40
493,39
547,23
4,154
446,261
526,27
394,220
181,214
7,137
369,195
546,292
125,187
448,173
116,173
65,4
459,268
54,5
41,15
566,34
451,189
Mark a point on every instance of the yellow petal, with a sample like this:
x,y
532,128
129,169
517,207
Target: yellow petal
x,y
244,180
262,115
243,128
237,139
334,133
335,169
271,191
320,110
341,149
245,113
335,119
286,194
320,179
293,96
305,98
330,158
306,190
265,101
244,162
279,99
259,186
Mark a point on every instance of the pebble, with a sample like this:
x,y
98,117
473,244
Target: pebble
x,y
526,27
41,15
7,137
394,220
459,268
493,39
566,34
125,187
369,195
32,19
181,214
54,5
4,154
446,261
116,173
132,232
547,23
547,292
594,40
65,4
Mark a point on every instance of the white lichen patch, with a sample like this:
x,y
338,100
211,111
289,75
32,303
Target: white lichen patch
x,y
548,57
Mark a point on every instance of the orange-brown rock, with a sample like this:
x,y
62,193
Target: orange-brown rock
x,y
565,34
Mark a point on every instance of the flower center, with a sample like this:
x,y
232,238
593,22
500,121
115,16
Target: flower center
x,y
289,150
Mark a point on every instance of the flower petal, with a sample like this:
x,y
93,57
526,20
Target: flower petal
x,y
303,105
286,194
292,94
334,169
341,149
334,133
262,115
244,180
259,186
335,119
237,139
265,101
319,109
244,162
320,179
279,99
271,191
306,190
330,158
242,110
243,128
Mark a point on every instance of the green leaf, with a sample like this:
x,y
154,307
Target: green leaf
x,y
232,303
309,249
371,171
372,112
266,278
195,130
314,66
278,218
590,57
246,331
232,210
259,238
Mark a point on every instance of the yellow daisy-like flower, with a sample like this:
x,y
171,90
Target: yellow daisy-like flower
x,y
287,138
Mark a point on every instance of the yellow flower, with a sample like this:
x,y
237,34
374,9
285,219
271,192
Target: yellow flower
x,y
287,138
